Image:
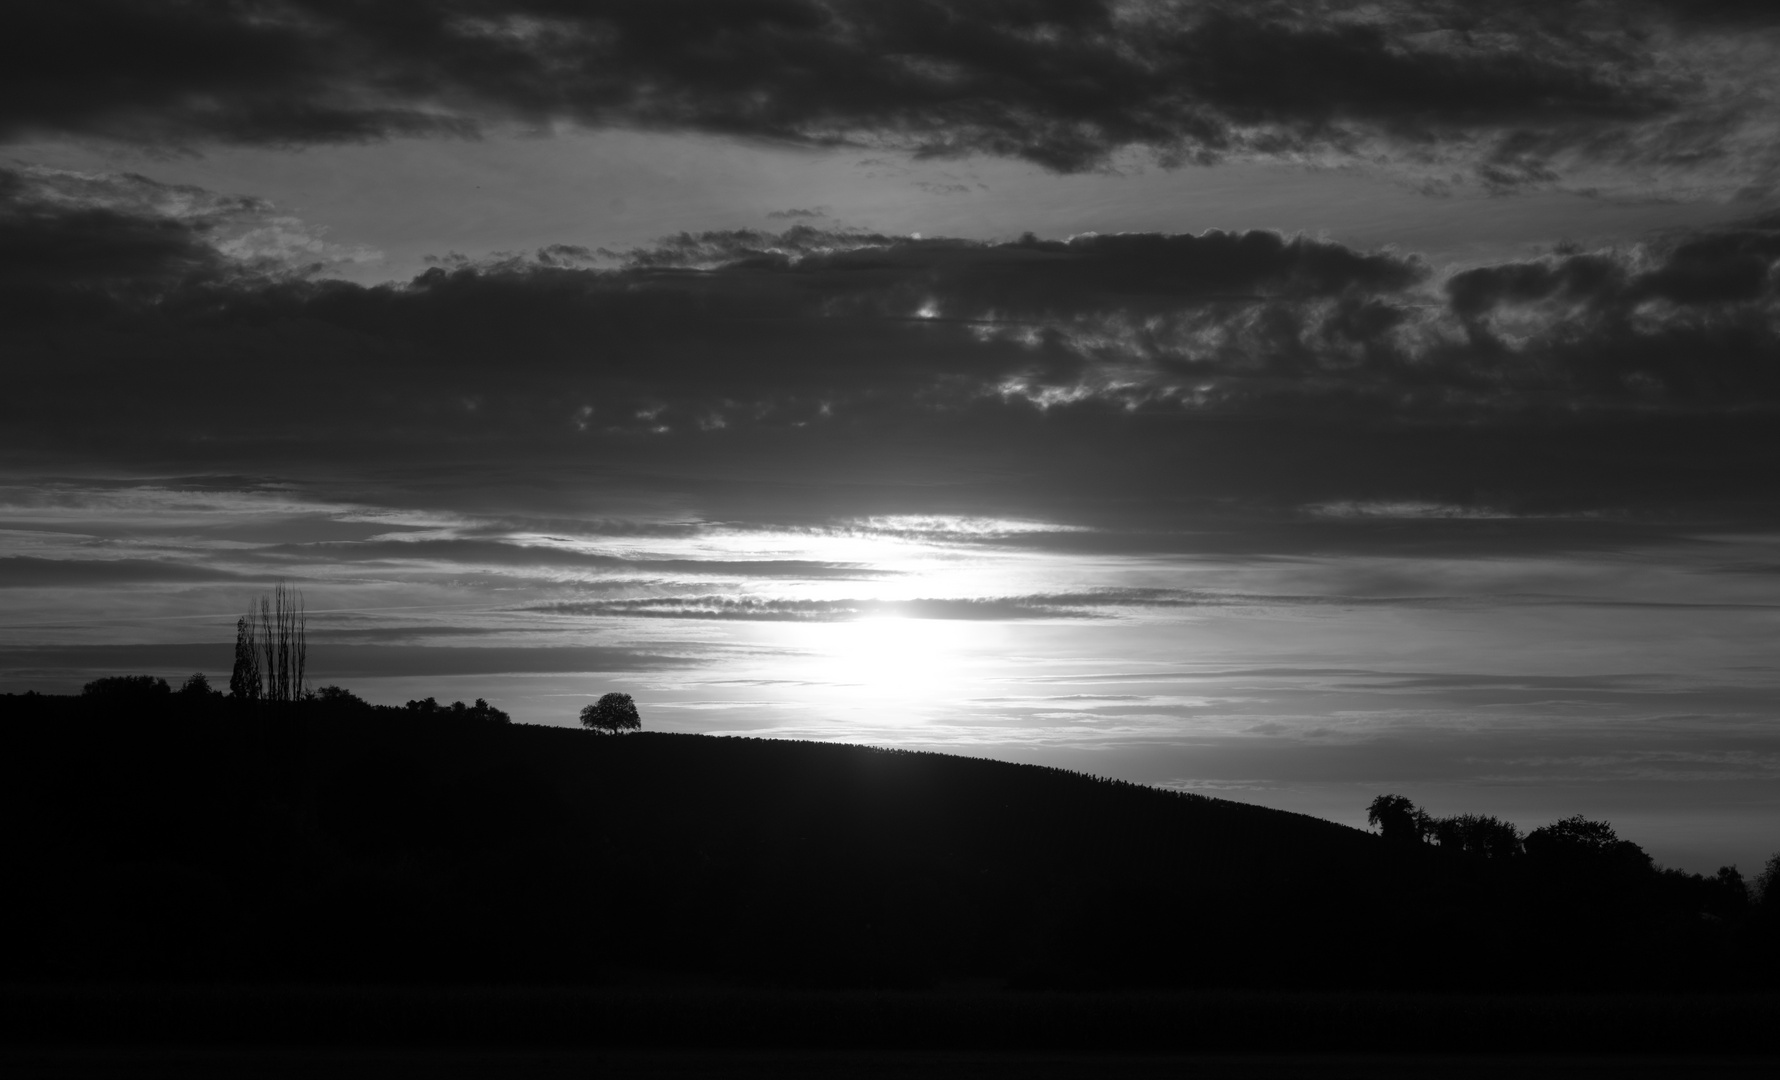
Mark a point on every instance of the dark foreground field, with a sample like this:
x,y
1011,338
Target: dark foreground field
x,y
219,1030
198,889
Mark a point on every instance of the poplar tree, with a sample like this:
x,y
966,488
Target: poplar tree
x,y
271,648
244,681
283,648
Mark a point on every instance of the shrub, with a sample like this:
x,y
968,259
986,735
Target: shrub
x,y
198,686
127,686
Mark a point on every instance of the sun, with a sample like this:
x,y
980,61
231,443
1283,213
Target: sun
x,y
892,656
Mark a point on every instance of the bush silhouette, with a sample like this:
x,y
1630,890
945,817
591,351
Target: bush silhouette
x,y
198,686
482,710
1477,834
612,714
127,686
1767,884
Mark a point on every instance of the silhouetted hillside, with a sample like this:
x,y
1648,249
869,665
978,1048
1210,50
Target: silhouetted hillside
x,y
177,836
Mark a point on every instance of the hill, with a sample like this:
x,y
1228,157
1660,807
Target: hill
x,y
333,842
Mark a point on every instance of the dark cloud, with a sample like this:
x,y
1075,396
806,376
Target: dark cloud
x,y
756,376
67,257
1689,325
81,247
1064,83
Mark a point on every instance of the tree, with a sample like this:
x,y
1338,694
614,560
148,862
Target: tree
x,y
340,701
481,711
198,686
284,648
271,649
127,686
1477,834
244,681
1767,884
1577,843
1399,820
612,714
1574,836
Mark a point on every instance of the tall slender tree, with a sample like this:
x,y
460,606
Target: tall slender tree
x,y
271,648
244,681
283,645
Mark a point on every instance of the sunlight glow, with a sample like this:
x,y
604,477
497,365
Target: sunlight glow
x,y
897,669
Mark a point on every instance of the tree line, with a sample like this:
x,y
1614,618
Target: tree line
x,y
1575,850
271,665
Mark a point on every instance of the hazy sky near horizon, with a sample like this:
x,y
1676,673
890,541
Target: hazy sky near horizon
x,y
1287,401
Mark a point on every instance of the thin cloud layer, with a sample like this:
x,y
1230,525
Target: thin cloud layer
x,y
27,571
1092,604
344,661
1499,95
521,556
1078,605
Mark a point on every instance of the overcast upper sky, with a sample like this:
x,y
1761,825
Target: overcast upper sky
x,y
1293,401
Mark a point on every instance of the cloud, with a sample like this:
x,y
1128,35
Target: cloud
x,y
1089,604
1503,95
362,661
496,553
327,662
65,255
83,246
1129,379
767,609
28,571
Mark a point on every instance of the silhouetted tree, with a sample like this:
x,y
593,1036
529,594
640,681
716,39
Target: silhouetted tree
x,y
612,714
244,680
1577,843
1728,892
1767,884
1397,819
1477,834
1572,835
127,686
198,686
482,710
284,649
339,701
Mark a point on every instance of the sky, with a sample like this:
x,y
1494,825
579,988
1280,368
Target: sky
x,y
1286,401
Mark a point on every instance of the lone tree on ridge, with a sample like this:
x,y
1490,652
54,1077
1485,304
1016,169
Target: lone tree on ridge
x,y
612,714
